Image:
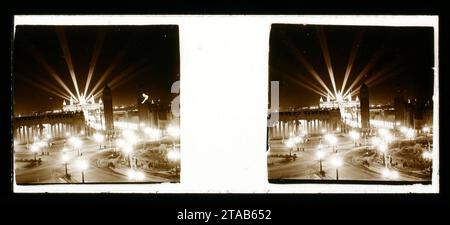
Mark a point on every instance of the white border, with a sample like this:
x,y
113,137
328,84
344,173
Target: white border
x,y
224,86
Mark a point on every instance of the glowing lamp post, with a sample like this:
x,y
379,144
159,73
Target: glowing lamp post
x,y
333,140
426,130
130,137
290,144
65,159
135,175
410,134
34,149
174,132
128,150
427,155
120,143
174,156
77,145
99,138
355,136
337,162
389,174
320,154
297,141
382,147
82,165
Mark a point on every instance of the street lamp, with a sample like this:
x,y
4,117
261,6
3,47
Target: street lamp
x,y
332,140
41,144
173,131
130,136
77,144
174,156
382,147
120,143
385,135
82,165
410,134
427,155
290,145
135,175
127,150
320,154
426,129
99,138
389,174
337,162
394,174
34,148
65,159
403,129
354,135
297,140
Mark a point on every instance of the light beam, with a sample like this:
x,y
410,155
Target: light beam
x,y
114,63
308,66
67,56
368,66
352,57
286,75
326,55
47,67
127,71
97,47
42,87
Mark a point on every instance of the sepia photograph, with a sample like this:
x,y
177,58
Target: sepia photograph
x,y
96,104
351,103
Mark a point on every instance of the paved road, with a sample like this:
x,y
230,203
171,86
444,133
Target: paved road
x,y
52,169
306,166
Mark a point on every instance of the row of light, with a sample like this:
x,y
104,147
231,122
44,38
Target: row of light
x,y
126,145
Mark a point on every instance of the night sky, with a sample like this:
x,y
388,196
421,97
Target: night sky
x,y
150,55
408,52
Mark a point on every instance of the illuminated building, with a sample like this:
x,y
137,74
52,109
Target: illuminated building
x,y
348,108
93,111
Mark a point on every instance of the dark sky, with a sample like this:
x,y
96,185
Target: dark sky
x,y
408,51
151,51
